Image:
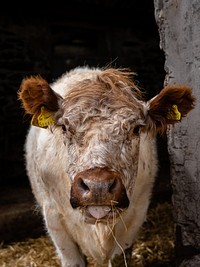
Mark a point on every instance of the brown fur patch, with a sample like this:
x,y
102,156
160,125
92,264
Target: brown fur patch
x,y
35,92
179,95
112,88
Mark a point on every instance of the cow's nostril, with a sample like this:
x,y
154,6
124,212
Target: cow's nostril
x,y
83,186
113,186
98,187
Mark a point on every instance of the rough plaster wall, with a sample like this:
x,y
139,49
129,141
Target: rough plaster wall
x,y
179,27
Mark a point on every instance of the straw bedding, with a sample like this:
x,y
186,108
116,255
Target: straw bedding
x,y
154,246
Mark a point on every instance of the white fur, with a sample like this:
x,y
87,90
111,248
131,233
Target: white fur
x,y
51,166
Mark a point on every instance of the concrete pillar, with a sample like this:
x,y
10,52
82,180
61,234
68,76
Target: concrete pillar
x,y
179,28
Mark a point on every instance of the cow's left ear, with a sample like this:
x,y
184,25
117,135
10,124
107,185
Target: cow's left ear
x,y
39,100
170,106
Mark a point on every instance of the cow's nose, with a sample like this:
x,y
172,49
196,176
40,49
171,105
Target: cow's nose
x,y
98,186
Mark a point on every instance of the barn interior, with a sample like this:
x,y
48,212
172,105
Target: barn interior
x,y
49,41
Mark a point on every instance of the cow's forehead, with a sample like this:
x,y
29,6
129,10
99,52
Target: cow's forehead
x,y
107,97
103,89
102,103
117,113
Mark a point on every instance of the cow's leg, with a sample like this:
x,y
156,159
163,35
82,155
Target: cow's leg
x,y
123,260
67,250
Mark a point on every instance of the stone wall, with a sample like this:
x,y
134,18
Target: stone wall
x,y
179,27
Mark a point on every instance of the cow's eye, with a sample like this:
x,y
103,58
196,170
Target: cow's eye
x,y
63,128
136,130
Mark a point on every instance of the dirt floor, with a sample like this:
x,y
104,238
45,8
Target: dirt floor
x,y
154,247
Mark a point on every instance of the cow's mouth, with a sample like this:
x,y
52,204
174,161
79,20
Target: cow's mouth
x,y
100,213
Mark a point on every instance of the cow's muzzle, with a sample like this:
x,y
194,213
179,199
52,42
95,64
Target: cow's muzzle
x,y
98,192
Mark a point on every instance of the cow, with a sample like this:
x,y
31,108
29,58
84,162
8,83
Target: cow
x,y
91,157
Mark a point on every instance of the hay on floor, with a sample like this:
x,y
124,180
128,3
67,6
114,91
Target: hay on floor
x,y
154,246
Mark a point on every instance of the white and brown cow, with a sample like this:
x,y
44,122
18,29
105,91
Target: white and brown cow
x,y
92,159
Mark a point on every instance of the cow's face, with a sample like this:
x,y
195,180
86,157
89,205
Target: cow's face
x,y
103,145
100,123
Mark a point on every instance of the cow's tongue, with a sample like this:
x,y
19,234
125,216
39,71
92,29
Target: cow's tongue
x,y
98,212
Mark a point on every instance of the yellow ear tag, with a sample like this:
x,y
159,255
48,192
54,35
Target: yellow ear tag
x,y
44,119
174,114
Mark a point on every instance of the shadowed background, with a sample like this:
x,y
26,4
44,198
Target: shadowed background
x,y
48,41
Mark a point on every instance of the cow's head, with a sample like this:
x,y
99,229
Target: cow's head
x,y
100,121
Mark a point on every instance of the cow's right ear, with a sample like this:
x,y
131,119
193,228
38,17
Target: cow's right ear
x,y
39,100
